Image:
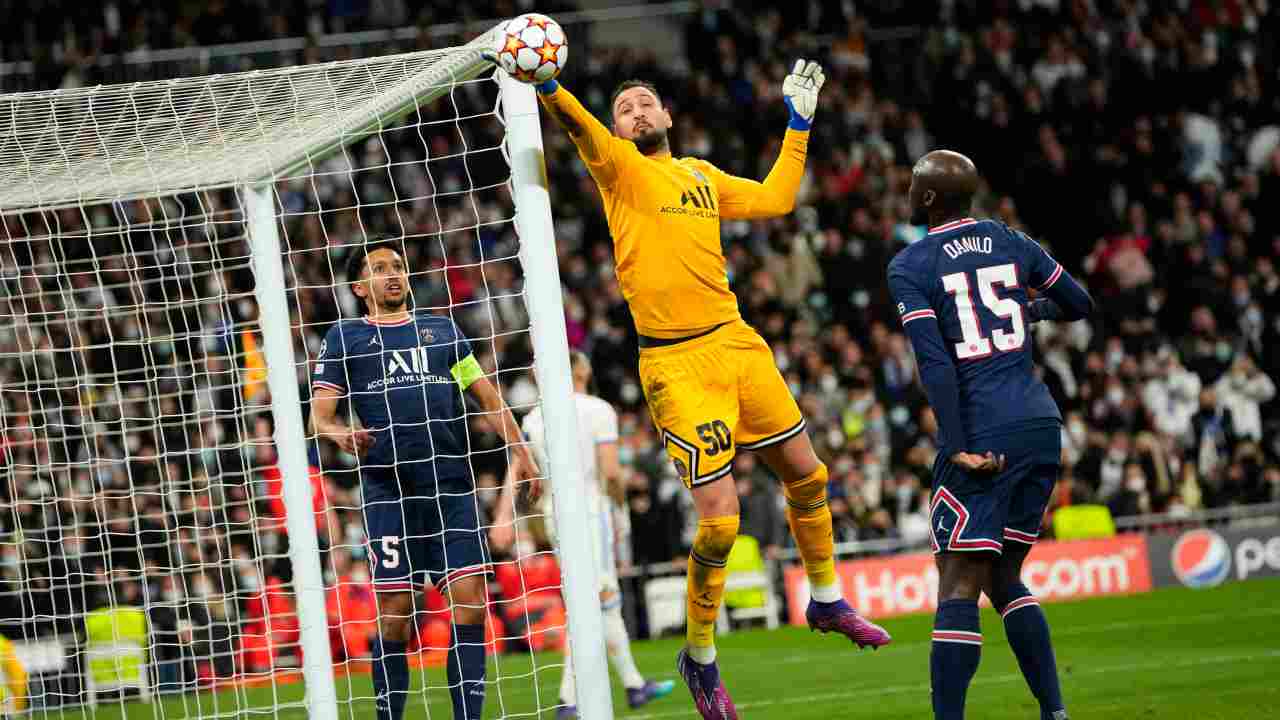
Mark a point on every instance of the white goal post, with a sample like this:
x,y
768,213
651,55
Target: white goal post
x,y
72,157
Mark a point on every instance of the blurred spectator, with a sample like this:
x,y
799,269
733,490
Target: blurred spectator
x,y
1242,391
1132,498
1215,437
1171,396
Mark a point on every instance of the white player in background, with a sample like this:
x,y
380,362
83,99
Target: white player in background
x,y
604,491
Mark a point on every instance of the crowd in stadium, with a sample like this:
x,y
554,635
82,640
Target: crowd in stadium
x,y
1140,145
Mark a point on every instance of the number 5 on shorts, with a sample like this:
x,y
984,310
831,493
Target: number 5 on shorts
x,y
390,552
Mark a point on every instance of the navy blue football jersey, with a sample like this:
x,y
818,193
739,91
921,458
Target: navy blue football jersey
x,y
970,277
405,383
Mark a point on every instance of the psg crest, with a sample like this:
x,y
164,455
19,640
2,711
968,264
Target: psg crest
x,y
426,335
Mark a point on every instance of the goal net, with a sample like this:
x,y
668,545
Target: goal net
x,y
174,541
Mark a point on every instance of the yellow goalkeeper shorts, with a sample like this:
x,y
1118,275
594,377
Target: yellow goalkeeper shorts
x,y
714,394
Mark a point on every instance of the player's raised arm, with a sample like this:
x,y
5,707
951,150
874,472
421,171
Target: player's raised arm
x,y
598,147
745,199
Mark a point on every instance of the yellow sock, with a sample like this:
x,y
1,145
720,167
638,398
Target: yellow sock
x,y
707,559
810,521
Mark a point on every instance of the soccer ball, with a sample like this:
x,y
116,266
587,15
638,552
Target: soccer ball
x,y
532,48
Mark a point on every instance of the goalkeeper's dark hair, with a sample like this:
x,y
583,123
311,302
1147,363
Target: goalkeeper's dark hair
x,y
355,262
626,85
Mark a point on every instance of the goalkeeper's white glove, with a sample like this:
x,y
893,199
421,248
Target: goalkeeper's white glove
x,y
491,56
800,92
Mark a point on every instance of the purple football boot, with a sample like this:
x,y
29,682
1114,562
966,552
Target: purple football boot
x,y
839,617
709,693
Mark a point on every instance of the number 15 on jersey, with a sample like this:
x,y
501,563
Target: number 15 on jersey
x,y
974,344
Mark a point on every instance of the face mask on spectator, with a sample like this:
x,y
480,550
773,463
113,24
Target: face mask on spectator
x,y
1077,430
630,393
835,438
1115,396
1135,484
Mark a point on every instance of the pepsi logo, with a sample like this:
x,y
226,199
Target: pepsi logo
x,y
1201,558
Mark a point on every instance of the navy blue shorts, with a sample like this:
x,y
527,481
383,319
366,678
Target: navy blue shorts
x,y
416,537
981,511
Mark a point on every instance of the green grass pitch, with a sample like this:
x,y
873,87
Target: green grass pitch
x,y
1200,655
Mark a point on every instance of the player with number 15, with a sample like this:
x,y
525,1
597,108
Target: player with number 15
x,y
962,293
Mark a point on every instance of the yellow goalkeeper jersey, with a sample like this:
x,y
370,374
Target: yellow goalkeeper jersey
x,y
664,214
13,679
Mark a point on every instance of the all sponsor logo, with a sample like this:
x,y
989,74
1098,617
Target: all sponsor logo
x,y
1200,559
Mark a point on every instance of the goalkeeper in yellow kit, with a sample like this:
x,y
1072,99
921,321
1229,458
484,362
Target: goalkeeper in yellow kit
x,y
13,681
709,378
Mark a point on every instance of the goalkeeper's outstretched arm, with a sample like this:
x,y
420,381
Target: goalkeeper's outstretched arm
x,y
598,147
596,144
745,199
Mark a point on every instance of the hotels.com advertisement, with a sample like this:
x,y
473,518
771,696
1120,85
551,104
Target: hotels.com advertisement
x,y
902,584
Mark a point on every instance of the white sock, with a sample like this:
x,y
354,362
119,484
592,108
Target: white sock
x,y
702,655
568,691
826,593
618,644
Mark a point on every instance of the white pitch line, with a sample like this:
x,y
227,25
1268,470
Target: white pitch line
x,y
988,680
551,688
1056,633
